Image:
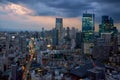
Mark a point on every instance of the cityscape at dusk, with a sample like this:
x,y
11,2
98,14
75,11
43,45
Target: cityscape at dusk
x,y
59,40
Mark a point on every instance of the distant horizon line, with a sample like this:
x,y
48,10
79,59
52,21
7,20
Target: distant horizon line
x,y
18,30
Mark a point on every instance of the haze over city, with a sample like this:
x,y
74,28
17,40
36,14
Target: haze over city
x,y
32,15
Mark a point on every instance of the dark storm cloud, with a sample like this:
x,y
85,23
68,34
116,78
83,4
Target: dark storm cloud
x,y
75,8
107,1
71,8
67,4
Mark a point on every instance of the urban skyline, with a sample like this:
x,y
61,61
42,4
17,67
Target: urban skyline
x,y
18,15
59,40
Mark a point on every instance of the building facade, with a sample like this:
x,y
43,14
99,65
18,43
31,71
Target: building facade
x,y
88,24
59,27
107,25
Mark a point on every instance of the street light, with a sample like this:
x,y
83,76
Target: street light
x,y
49,46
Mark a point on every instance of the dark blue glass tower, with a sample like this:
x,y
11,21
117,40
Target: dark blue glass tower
x,y
88,27
59,27
107,25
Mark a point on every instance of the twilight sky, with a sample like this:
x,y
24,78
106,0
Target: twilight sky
x,y
16,15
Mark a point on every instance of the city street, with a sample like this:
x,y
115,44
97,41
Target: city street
x,y
31,52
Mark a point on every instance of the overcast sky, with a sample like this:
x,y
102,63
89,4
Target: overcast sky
x,y
35,14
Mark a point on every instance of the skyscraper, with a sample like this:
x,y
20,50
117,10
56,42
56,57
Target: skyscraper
x,y
107,25
67,36
88,27
59,27
73,33
55,37
78,40
43,33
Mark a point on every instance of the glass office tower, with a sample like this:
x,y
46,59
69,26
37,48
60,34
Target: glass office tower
x,y
88,24
59,27
107,25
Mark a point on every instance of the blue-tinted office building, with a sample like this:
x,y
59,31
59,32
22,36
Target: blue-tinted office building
x,y
88,25
107,25
59,20
59,27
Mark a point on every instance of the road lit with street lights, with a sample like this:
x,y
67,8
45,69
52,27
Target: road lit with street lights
x,y
32,52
